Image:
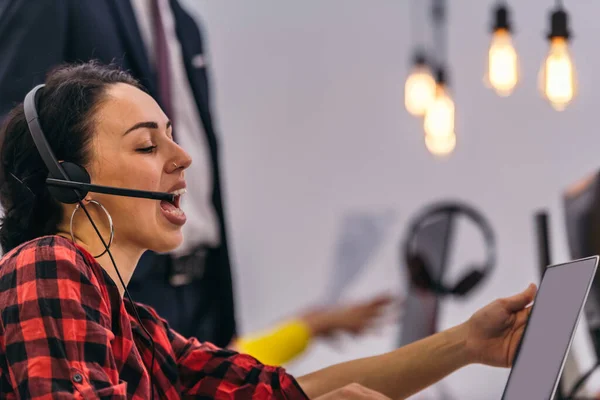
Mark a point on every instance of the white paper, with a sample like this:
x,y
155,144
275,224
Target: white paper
x,y
361,234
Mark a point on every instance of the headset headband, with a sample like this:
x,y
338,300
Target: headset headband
x,y
41,143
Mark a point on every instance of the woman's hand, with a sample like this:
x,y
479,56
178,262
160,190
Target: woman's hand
x,y
493,333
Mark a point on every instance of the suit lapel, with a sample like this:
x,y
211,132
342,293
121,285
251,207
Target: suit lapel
x,y
130,32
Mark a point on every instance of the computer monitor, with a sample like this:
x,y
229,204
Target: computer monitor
x,y
582,215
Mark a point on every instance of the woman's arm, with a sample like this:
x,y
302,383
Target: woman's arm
x,y
206,371
400,373
490,337
288,340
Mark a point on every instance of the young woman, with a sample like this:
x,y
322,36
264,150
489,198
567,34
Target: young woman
x,y
66,328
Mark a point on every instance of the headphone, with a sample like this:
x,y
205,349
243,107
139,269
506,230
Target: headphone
x,y
417,265
69,183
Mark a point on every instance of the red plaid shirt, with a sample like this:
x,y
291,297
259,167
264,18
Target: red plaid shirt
x,y
66,332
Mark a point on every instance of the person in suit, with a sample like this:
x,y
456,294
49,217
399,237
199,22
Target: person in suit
x,y
161,45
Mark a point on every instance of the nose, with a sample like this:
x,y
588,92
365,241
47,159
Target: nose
x,y
180,160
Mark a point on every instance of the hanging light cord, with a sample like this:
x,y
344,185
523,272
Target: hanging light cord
x,y
438,14
559,3
416,34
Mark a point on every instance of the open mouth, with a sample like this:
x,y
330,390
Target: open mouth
x,y
172,207
178,193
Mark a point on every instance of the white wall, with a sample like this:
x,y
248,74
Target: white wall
x,y
309,103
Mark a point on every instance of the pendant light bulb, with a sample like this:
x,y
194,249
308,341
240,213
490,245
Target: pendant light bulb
x,y
441,146
419,90
439,117
503,64
557,77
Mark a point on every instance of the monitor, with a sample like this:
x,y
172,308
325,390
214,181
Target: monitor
x,y
582,217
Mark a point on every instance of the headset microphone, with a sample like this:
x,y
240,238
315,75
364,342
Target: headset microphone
x,y
88,187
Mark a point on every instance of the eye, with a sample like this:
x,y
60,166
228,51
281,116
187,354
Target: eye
x,y
149,149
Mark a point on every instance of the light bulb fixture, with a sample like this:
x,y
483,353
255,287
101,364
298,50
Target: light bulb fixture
x,y
503,64
440,146
419,90
439,117
557,77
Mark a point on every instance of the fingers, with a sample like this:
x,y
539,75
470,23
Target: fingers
x,y
522,317
520,300
518,334
356,319
380,301
383,311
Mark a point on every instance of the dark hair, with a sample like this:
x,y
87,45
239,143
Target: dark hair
x,y
66,108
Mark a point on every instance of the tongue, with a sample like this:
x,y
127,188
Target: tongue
x,y
168,207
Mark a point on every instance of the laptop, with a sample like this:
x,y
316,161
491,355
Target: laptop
x,y
541,355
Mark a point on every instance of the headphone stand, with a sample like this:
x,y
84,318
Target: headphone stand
x,y
421,307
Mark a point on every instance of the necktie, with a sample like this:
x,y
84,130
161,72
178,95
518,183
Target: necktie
x,y
161,52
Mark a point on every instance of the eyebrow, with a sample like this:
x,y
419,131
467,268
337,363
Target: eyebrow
x,y
145,124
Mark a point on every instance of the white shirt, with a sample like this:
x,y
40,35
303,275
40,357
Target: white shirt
x,y
202,226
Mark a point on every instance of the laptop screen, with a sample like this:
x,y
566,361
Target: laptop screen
x,y
549,332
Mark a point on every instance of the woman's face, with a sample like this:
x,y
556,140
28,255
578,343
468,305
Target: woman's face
x,y
132,147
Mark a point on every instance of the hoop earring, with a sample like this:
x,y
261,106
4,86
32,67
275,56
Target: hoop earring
x,y
110,222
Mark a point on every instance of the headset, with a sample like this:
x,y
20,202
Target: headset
x,y
69,183
416,263
63,176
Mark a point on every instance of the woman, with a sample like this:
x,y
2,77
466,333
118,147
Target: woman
x,y
66,328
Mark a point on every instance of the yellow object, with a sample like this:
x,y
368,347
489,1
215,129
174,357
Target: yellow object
x,y
503,66
419,90
277,346
440,146
558,81
439,117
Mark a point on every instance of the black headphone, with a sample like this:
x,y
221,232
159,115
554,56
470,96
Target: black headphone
x,y
65,175
417,266
69,183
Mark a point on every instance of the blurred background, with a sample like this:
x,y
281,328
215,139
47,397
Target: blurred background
x,y
339,122
310,107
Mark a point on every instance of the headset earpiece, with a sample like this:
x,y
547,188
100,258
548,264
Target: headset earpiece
x,y
466,284
75,173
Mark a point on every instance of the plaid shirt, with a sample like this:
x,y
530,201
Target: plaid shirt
x,y
66,332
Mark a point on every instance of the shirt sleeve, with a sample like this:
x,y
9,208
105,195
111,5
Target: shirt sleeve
x,y
206,370
55,328
278,345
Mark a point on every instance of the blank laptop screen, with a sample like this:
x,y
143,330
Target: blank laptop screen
x,y
550,329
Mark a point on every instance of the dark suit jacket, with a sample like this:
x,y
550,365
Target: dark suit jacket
x,y
37,35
